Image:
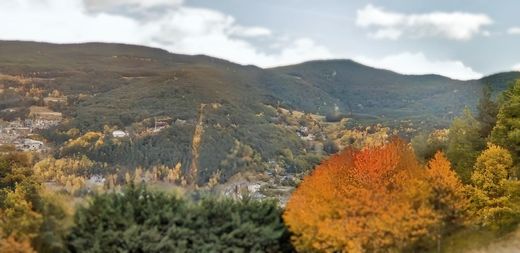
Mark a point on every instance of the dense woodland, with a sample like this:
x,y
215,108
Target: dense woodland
x,y
126,87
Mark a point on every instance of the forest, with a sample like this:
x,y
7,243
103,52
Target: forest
x,y
382,196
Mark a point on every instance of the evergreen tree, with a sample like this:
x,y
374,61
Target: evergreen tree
x,y
507,130
464,144
139,220
487,112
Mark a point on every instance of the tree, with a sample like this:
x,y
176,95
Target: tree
x,y
370,200
426,146
464,144
12,245
448,195
493,201
30,219
18,218
507,130
140,220
487,112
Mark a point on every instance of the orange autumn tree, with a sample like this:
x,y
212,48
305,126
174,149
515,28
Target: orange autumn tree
x,y
448,195
373,200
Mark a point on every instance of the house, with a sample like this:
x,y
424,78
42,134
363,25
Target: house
x,y
119,134
29,145
54,100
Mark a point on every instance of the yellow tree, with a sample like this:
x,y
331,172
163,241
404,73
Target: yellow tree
x,y
492,192
17,218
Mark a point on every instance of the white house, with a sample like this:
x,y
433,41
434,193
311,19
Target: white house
x,y
119,134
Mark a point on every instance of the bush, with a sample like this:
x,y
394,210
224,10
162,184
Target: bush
x,y
139,220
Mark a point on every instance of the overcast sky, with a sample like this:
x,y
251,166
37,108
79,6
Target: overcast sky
x,y
462,39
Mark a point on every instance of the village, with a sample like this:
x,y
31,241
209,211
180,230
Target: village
x,y
22,134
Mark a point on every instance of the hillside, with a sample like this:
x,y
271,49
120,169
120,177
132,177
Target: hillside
x,y
128,87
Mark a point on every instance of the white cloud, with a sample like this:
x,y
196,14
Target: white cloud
x,y
392,25
255,31
514,30
188,30
175,27
104,5
516,67
390,33
418,63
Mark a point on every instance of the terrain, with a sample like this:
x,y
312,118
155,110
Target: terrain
x,y
114,86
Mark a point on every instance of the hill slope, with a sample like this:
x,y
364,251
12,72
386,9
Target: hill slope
x,y
125,86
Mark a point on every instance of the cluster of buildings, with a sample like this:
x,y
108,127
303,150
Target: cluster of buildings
x,y
18,132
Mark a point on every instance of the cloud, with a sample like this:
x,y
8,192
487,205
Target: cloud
x,y
516,67
255,31
418,63
106,5
167,24
392,25
179,28
513,31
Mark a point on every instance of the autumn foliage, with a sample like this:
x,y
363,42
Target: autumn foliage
x,y
372,200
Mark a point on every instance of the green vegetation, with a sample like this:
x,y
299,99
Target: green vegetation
x,y
464,144
125,87
258,128
507,130
140,220
30,216
495,197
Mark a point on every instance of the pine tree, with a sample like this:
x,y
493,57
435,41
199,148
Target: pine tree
x,y
464,144
487,112
507,130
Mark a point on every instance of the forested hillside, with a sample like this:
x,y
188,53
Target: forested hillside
x,y
112,86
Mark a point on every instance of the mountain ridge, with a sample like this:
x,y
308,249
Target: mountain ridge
x,y
124,86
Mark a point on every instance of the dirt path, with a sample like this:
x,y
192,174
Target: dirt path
x,y
195,146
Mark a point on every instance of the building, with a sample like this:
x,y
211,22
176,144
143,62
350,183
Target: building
x,y
54,100
29,145
119,134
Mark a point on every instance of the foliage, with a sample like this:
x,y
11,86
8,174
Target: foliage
x,y
12,245
448,194
426,146
27,213
464,144
487,112
123,85
507,130
377,199
140,220
494,194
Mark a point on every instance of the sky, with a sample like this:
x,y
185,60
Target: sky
x,y
461,39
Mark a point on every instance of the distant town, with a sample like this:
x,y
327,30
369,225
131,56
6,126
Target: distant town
x,y
20,133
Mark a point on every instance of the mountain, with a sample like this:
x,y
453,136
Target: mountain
x,y
125,86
